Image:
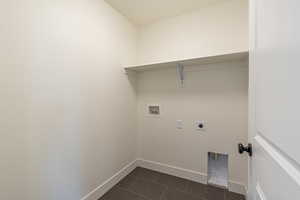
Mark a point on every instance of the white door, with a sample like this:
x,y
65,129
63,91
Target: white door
x,y
274,122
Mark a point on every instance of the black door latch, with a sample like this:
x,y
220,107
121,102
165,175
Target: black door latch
x,y
242,149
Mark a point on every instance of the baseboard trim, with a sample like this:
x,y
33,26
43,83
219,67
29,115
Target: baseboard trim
x,y
187,174
108,184
172,170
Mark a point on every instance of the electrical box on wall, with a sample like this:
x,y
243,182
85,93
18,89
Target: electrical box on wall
x,y
200,125
179,124
153,110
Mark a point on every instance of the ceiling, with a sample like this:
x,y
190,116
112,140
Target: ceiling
x,y
143,12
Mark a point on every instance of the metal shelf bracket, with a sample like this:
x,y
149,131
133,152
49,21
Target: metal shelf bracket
x,y
180,72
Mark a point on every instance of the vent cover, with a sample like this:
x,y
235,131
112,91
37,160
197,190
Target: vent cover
x,y
217,170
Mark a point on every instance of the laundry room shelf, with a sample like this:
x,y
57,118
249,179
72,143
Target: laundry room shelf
x,y
243,55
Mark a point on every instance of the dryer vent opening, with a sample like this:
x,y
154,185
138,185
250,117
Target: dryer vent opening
x,y
217,173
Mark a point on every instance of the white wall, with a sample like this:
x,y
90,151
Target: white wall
x,y
68,111
215,93
216,29
218,96
13,104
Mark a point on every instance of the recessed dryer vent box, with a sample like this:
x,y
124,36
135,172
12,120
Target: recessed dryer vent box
x,y
217,170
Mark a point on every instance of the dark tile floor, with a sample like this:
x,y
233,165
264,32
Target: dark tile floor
x,y
144,184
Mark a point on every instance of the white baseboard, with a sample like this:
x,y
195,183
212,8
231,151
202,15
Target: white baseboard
x,y
187,174
160,167
108,184
172,170
237,187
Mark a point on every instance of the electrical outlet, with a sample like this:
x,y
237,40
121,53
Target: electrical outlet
x,y
200,125
179,124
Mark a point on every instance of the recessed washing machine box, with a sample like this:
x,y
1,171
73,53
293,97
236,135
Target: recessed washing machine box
x,y
217,173
153,109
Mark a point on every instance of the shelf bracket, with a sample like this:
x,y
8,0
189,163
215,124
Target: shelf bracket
x,y
180,70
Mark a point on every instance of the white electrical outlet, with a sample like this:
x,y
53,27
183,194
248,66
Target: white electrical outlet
x,y
179,124
200,125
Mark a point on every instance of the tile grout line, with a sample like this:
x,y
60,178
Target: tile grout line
x,y
162,194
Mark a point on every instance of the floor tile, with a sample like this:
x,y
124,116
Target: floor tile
x,y
197,189
144,184
214,193
178,195
148,189
234,196
173,182
120,194
146,174
135,172
127,182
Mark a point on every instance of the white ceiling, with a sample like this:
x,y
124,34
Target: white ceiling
x,y
146,11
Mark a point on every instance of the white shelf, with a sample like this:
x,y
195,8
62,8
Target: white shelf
x,y
192,62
